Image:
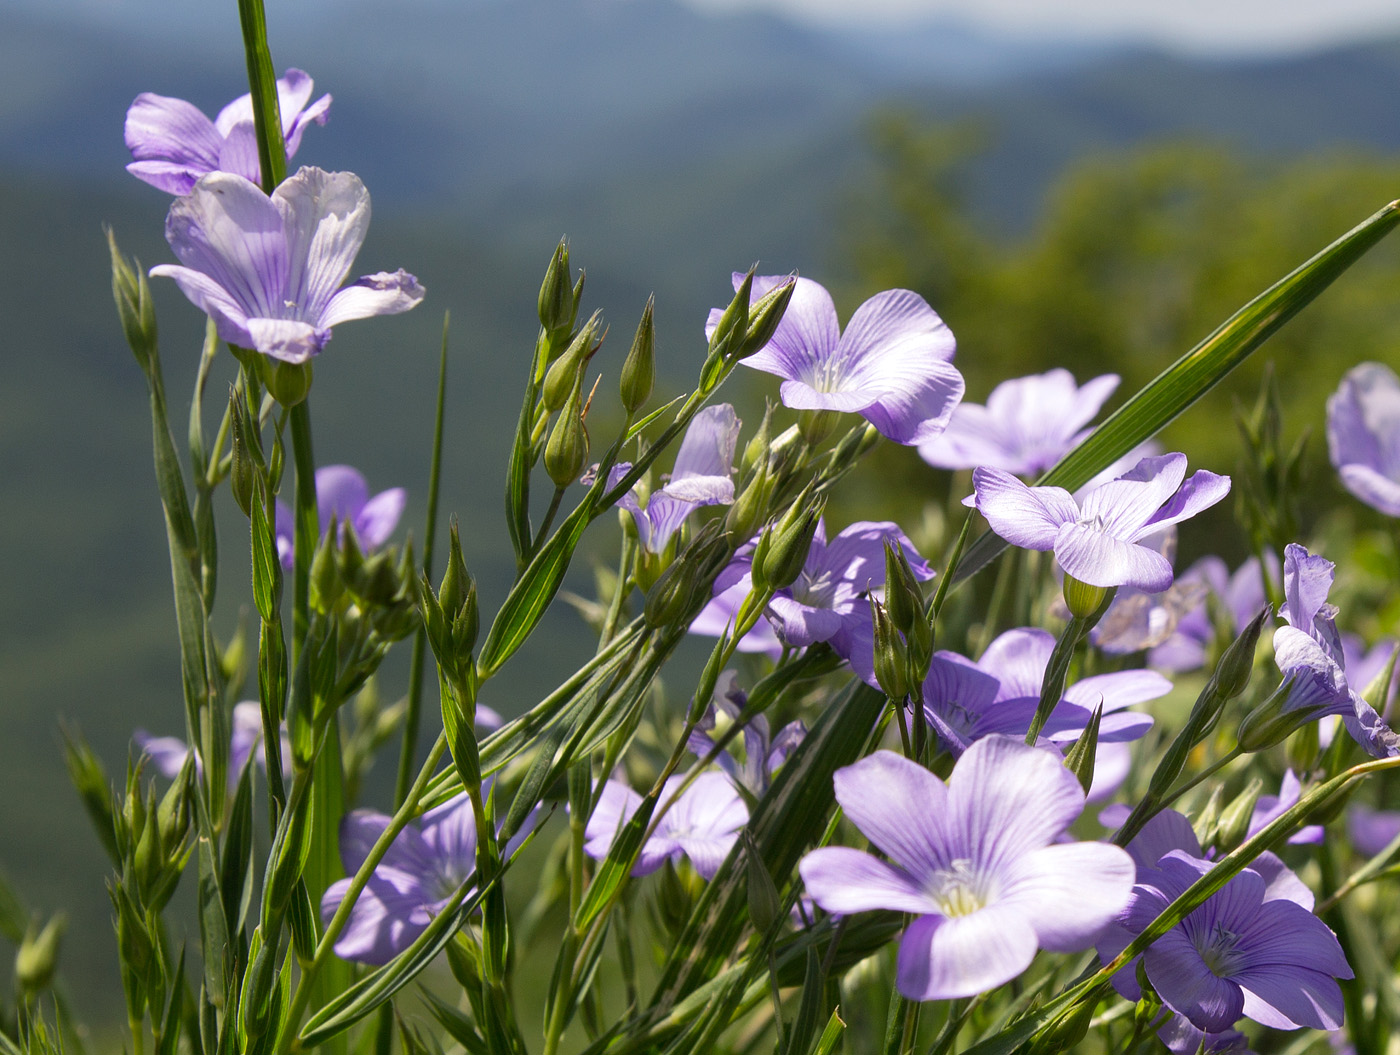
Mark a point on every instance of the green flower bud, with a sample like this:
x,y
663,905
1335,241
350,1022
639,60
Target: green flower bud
x,y
765,907
816,425
750,509
242,472
1084,600
556,301
289,383
38,954
672,598
134,306
639,369
326,585
765,316
1273,721
567,448
732,327
1234,821
903,596
563,377
782,551
1233,671
756,451
891,657
1206,821
1080,758
466,625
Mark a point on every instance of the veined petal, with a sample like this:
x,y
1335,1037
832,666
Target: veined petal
x,y
1119,689
326,217
1070,892
287,339
161,128
706,453
913,399
1202,491
389,914
383,293
901,808
1187,985
1017,658
971,438
806,337
842,881
449,831
230,230
341,492
1095,557
361,829
1124,505
1006,799
239,152
230,318
316,113
1285,997
800,624
943,958
1029,517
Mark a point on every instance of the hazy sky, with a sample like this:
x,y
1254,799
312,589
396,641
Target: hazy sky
x,y
1226,25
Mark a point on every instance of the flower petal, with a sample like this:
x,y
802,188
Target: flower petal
x,y
1097,558
1186,984
805,338
1070,892
174,134
326,219
383,293
842,881
1285,997
705,460
379,516
901,808
1029,517
389,914
943,959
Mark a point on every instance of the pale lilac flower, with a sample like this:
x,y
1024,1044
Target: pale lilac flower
x,y
1364,665
1117,467
976,860
342,493
1309,653
428,862
1096,539
1254,949
763,752
1241,595
892,365
702,824
702,477
966,701
168,753
268,269
1363,435
731,587
1028,424
1138,619
1371,831
174,144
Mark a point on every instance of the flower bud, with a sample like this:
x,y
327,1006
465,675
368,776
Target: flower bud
x,y
903,596
732,327
1237,664
38,954
1294,704
1234,820
466,625
1079,760
750,509
765,907
764,317
134,306
566,451
556,301
639,369
1082,599
816,425
756,450
326,585
672,598
782,551
891,657
452,594
563,377
242,471
289,383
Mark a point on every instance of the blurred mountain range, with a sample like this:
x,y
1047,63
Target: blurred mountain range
x,y
671,147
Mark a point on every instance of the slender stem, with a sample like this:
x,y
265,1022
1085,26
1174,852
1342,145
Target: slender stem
x,y
267,118
357,884
308,528
420,639
1209,771
620,591
548,521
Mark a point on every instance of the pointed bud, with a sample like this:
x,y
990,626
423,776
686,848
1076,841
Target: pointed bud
x,y
1234,821
782,551
1079,760
764,317
756,451
639,369
134,307
326,585
890,656
466,625
452,594
242,471
1233,671
903,596
562,380
556,301
765,906
1206,821
816,425
566,451
1290,707
38,954
1304,749
750,509
733,324
672,599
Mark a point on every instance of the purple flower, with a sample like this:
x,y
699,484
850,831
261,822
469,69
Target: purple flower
x,y
174,144
1028,424
1095,540
1271,807
702,824
702,477
1241,594
1250,950
422,870
268,269
1137,619
168,753
976,860
892,365
342,493
763,753
1363,435
1309,653
967,701
1371,831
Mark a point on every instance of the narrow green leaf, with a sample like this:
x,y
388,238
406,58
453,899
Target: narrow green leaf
x,y
617,866
1199,370
458,1026
213,925
236,867
532,788
170,1023
831,1035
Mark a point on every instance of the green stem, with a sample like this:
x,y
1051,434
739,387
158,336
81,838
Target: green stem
x,y
308,529
420,640
357,884
267,117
